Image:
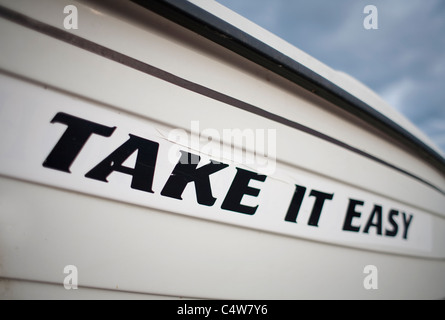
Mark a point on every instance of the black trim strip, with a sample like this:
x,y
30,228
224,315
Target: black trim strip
x,y
186,84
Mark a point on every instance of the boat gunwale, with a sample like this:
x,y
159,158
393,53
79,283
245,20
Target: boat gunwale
x,y
229,36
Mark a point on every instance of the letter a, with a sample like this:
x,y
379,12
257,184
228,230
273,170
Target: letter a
x,y
371,20
70,21
70,281
370,281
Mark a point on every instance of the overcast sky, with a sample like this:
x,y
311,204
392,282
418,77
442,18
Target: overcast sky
x,y
403,60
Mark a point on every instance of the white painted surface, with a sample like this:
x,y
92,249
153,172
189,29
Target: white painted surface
x,y
29,137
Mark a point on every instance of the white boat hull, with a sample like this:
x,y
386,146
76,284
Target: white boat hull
x,y
97,200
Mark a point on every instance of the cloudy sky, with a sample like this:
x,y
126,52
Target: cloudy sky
x,y
403,60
